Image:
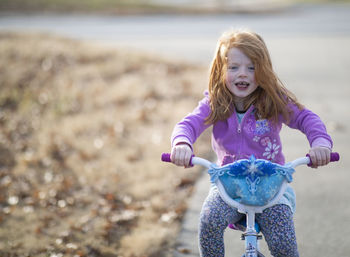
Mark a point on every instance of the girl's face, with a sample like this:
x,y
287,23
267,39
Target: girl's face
x,y
240,79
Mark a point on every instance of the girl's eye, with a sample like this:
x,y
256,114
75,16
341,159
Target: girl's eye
x,y
252,68
232,67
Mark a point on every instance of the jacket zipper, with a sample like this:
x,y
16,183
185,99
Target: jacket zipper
x,y
239,130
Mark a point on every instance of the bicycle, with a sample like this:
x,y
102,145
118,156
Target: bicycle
x,y
242,185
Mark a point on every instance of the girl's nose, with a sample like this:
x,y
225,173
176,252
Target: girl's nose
x,y
242,72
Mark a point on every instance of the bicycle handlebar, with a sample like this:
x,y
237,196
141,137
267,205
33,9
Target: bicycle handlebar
x,y
334,157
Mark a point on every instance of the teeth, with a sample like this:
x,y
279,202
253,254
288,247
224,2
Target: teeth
x,y
242,83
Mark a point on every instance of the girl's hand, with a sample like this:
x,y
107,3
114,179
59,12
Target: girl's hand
x,y
319,156
181,155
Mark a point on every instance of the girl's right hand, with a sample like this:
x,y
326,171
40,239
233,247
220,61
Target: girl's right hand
x,y
181,155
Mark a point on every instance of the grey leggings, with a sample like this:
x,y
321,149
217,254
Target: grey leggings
x,y
276,224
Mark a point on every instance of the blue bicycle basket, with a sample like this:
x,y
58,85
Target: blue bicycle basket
x,y
251,181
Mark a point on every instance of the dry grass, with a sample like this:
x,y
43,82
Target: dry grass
x,y
119,7
82,130
95,6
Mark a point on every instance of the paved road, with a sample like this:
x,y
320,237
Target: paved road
x,y
189,37
309,45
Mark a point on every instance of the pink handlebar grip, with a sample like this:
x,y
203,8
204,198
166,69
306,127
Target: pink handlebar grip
x,y
334,158
166,157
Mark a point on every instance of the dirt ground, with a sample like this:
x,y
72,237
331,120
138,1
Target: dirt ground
x,y
82,129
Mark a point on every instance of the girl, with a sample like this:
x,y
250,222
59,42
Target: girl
x,y
246,104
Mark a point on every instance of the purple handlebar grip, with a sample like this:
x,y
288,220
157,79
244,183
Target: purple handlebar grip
x,y
334,158
166,157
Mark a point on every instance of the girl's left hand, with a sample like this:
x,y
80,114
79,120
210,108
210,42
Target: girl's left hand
x,y
319,156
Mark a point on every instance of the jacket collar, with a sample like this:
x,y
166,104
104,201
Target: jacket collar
x,y
233,118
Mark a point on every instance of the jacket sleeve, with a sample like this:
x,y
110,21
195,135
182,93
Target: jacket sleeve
x,y
192,126
311,125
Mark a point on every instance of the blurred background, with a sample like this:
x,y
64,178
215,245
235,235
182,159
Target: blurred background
x,y
90,91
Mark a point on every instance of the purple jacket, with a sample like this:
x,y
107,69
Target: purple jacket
x,y
232,140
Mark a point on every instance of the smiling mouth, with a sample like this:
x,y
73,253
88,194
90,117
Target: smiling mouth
x,y
242,84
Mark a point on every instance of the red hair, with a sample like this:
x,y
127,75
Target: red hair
x,y
270,98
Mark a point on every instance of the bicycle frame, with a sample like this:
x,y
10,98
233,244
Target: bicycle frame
x,y
250,235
